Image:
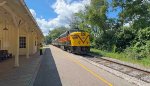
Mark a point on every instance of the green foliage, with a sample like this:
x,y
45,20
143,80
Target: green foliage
x,y
141,45
75,21
110,34
124,37
47,39
128,56
144,34
136,11
139,51
95,14
55,33
105,41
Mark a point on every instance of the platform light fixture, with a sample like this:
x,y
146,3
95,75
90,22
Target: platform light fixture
x,y
5,28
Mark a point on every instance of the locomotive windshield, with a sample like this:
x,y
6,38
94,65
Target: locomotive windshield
x,y
75,30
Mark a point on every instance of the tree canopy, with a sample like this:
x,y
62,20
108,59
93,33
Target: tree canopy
x,y
130,30
55,33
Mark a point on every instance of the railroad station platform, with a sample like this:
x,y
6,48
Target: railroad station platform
x,y
19,76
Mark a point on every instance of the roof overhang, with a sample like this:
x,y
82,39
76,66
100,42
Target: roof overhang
x,y
21,11
37,28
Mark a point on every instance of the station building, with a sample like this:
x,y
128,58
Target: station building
x,y
19,32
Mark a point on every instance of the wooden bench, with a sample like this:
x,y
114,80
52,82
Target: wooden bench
x,y
4,55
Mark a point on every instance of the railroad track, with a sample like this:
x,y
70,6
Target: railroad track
x,y
126,69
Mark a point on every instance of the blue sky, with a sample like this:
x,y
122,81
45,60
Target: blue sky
x,y
52,13
42,7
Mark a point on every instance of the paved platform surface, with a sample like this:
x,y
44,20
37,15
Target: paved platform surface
x,y
60,68
20,76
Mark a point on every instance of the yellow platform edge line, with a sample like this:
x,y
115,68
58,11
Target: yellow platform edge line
x,y
90,71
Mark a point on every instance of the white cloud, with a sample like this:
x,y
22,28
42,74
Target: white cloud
x,y
33,13
64,10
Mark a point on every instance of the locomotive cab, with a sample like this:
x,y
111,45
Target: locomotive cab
x,y
80,42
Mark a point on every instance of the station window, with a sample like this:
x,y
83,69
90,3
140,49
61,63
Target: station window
x,y
22,42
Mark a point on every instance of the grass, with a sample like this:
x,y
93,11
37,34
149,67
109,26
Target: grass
x,y
121,56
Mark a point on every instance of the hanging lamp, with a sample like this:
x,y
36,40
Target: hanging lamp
x,y
5,28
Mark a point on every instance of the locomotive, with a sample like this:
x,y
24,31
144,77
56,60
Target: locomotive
x,y
74,41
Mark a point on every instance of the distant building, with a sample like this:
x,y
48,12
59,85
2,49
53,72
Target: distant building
x,y
19,32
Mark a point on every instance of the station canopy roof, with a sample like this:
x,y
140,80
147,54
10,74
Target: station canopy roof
x,y
15,12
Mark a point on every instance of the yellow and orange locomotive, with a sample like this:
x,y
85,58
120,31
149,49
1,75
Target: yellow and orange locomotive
x,y
74,40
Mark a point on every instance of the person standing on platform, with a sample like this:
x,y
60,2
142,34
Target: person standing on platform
x,y
41,49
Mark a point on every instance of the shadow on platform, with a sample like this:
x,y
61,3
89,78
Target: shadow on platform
x,y
47,74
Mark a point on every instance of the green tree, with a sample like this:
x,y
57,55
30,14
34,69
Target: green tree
x,y
47,39
135,11
97,14
94,15
121,4
74,21
55,33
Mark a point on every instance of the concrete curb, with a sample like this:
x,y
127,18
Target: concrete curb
x,y
119,74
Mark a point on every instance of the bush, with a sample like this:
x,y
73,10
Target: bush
x,y
144,34
105,41
135,44
141,45
124,37
139,50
